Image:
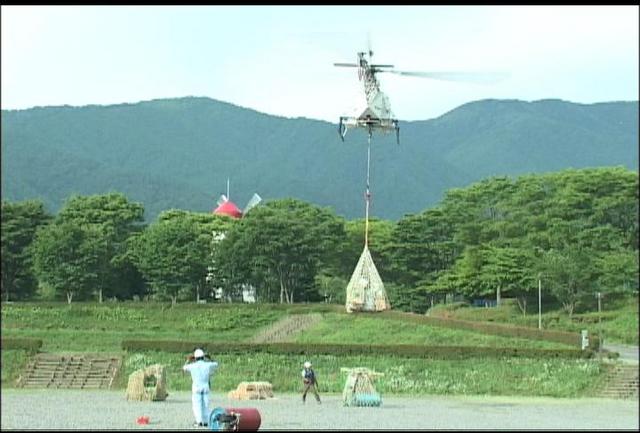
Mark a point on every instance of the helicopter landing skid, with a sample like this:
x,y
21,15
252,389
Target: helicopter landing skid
x,y
370,124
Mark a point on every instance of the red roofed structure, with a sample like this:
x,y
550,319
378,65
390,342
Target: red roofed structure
x,y
228,208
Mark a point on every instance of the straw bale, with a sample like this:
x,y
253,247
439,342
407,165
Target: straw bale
x,y
148,384
252,391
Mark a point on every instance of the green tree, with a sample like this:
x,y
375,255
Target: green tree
x,y
475,211
508,272
569,274
173,254
65,256
114,219
463,277
210,229
581,214
618,272
421,245
20,221
617,203
332,288
278,249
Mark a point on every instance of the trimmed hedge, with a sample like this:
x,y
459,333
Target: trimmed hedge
x,y
506,330
28,344
402,350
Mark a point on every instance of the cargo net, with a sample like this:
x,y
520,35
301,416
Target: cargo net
x,y
359,389
252,391
365,291
148,384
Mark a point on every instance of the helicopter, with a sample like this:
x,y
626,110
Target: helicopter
x,y
376,113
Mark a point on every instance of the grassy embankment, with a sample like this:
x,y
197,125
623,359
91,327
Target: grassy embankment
x,y
617,323
101,328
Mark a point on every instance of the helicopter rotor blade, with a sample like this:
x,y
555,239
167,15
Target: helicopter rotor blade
x,y
223,199
346,64
255,199
469,77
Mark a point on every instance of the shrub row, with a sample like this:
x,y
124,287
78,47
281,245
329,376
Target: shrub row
x,y
402,350
28,344
505,330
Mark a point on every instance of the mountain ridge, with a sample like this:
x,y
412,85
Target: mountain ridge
x,y
179,152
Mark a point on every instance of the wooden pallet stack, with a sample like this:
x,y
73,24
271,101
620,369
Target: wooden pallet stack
x,y
76,371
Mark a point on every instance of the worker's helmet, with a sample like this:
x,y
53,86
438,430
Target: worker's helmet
x,y
307,364
198,353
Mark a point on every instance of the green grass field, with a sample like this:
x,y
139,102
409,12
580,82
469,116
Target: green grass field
x,y
554,377
368,329
12,363
618,323
89,327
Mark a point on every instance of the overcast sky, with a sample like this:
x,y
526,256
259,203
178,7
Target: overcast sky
x,y
279,59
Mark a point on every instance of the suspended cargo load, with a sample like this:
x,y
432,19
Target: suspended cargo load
x,y
365,291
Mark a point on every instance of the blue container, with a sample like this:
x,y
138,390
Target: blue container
x,y
368,400
216,419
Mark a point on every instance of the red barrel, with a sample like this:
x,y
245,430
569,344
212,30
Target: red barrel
x,y
249,418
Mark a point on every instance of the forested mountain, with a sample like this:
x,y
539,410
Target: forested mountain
x,y
178,153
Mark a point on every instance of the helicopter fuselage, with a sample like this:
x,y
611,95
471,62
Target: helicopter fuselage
x,y
374,112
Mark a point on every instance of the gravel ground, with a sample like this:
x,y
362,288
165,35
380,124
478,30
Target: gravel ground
x,y
91,409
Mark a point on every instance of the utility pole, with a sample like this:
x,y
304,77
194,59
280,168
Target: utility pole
x,y
539,302
599,295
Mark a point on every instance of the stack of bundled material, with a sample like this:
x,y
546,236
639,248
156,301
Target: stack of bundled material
x,y
365,291
359,389
252,391
148,384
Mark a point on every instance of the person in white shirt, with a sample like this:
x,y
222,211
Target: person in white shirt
x,y
201,370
